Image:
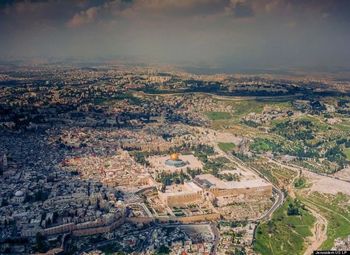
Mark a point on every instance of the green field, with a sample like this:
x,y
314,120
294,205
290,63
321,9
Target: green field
x,y
276,174
226,147
225,120
336,210
247,106
261,145
284,234
218,115
347,153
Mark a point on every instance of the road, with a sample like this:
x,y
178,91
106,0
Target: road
x,y
228,97
298,168
280,195
278,202
216,241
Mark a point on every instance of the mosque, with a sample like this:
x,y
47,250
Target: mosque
x,y
175,161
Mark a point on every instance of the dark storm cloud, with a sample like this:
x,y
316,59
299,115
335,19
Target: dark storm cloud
x,y
215,32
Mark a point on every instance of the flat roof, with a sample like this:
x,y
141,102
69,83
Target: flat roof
x,y
209,181
182,189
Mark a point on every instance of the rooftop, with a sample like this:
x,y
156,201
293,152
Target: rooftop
x,y
186,188
209,181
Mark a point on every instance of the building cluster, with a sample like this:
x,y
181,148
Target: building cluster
x,y
219,192
236,237
104,99
79,146
180,248
266,116
173,239
342,244
36,196
202,103
118,170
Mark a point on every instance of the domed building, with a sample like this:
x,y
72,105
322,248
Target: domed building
x,y
19,193
19,197
174,156
175,161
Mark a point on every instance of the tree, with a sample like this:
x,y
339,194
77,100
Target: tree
x,y
163,250
40,243
294,208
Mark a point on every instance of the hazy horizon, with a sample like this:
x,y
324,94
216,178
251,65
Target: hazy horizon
x,y
214,34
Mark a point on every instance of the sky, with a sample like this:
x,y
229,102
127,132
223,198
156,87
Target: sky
x,y
246,34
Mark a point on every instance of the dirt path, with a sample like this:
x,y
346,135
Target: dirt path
x,y
321,183
290,187
327,209
319,232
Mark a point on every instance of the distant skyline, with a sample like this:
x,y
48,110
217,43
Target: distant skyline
x,y
222,34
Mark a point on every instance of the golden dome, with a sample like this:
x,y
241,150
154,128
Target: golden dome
x,y
174,156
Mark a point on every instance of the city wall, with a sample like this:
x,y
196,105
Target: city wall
x,y
186,219
247,192
86,229
180,199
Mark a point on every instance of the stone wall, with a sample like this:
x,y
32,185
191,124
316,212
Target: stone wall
x,y
177,200
246,192
84,229
186,219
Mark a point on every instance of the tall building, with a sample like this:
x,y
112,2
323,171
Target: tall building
x,y
4,161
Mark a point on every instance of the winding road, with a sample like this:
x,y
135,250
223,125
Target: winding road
x,y
280,195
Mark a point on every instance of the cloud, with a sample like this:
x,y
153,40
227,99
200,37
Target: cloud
x,y
241,31
103,11
84,17
181,6
139,9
